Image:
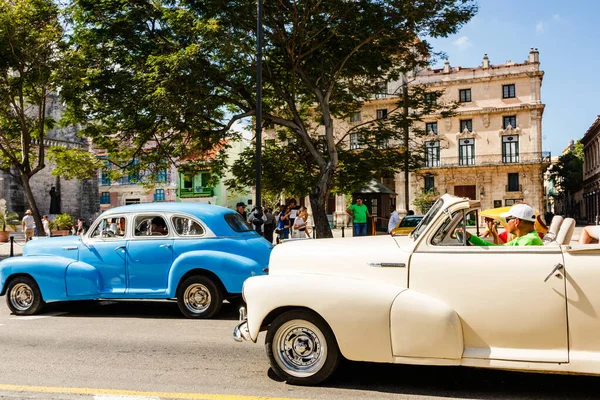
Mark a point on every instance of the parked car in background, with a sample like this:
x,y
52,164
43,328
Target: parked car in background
x,y
407,224
198,254
428,298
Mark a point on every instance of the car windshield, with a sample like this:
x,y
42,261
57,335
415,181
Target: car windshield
x,y
409,222
427,218
237,223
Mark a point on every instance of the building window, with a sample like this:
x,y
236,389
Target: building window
x,y
356,117
431,127
432,154
466,152
466,124
105,198
512,202
354,141
508,91
510,149
159,195
105,178
188,182
464,95
430,99
513,183
382,113
429,182
509,120
161,176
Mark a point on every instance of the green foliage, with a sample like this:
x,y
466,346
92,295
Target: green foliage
x,y
31,37
567,173
62,221
173,77
9,218
424,199
73,163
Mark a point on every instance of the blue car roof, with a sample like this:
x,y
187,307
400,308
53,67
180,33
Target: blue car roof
x,y
203,211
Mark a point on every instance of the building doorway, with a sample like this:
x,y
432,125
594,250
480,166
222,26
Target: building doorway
x,y
466,191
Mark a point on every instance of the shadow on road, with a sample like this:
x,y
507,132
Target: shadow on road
x,y
460,382
161,309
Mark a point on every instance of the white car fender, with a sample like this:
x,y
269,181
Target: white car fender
x,y
425,327
357,310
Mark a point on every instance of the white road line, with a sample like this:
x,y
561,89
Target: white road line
x,y
30,317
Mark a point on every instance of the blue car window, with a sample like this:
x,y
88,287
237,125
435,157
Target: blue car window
x,y
187,227
110,227
150,226
237,223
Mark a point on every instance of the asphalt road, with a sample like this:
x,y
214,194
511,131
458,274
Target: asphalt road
x,y
146,350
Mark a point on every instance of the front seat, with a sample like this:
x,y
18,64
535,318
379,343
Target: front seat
x,y
566,231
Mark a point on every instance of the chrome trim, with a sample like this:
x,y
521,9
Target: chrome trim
x,y
70,248
243,314
386,264
241,332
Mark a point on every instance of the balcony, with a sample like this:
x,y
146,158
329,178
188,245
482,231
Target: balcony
x,y
489,160
198,191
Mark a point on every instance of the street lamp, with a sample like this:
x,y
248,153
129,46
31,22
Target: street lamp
x,y
259,45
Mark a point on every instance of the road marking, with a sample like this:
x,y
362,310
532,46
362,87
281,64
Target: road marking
x,y
30,317
109,397
133,394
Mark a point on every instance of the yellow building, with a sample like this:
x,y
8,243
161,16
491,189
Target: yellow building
x,y
491,150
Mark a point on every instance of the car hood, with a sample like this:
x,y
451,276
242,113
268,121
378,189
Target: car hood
x,y
58,246
359,257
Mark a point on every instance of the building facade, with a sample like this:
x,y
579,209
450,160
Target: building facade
x,y
491,149
591,172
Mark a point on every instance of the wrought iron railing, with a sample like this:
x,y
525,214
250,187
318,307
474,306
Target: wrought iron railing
x,y
542,157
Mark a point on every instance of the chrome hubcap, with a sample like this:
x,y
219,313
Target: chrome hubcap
x,y
197,298
300,348
21,297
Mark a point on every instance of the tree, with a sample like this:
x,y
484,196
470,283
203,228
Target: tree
x,y
180,74
31,34
567,175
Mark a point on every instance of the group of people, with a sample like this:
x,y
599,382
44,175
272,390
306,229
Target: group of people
x,y
30,229
290,221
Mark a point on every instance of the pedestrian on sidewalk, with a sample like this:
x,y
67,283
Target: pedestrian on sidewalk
x,y
46,224
28,225
359,213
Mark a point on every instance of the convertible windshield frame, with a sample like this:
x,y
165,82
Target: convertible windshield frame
x,y
433,211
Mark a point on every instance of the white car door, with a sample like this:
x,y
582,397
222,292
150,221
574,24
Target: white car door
x,y
507,307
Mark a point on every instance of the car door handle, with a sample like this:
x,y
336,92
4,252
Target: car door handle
x,y
556,268
70,248
168,246
386,265
120,248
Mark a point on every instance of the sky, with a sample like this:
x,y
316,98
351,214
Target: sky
x,y
567,35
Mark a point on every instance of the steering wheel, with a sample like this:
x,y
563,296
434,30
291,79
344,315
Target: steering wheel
x,y
109,234
461,237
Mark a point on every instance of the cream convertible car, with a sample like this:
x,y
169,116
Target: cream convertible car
x,y
428,298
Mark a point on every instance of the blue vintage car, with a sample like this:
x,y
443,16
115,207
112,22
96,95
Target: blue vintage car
x,y
198,254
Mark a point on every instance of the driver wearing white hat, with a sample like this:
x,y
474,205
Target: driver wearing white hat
x,y
520,221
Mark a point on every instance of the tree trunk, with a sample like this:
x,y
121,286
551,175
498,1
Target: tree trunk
x,y
318,199
32,204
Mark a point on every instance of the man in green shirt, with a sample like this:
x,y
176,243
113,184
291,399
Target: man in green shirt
x,y
520,220
359,212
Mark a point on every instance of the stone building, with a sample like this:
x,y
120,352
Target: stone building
x,y
591,172
77,198
491,150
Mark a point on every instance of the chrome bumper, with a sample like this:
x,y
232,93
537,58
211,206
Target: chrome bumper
x,y
241,332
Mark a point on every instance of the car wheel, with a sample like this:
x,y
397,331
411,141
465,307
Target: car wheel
x,y
199,297
301,348
23,296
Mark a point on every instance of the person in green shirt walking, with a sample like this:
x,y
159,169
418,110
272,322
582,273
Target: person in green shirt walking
x,y
520,220
359,213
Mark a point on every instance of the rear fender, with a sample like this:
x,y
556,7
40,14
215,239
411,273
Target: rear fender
x,y
231,269
358,311
54,275
425,327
